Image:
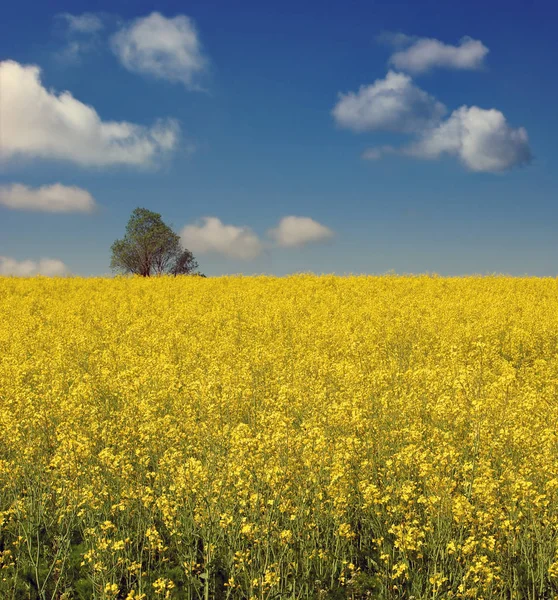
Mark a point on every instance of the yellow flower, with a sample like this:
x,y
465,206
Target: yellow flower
x,y
281,427
111,589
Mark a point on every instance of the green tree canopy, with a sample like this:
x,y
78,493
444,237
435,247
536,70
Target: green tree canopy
x,y
150,247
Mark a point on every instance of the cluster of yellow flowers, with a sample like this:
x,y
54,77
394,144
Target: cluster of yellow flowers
x,y
260,437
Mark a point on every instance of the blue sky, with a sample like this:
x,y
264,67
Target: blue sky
x,y
237,133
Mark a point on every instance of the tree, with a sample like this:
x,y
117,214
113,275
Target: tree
x,y
150,247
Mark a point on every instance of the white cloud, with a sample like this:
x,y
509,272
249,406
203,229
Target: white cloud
x,y
56,198
50,267
481,139
213,236
84,23
38,123
426,53
298,231
163,48
390,104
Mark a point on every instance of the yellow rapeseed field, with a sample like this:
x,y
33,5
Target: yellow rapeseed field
x,y
268,438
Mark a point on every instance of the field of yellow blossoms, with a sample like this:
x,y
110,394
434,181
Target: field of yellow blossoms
x,y
278,438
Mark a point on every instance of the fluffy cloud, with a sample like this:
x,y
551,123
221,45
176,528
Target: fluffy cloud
x,y
426,53
390,104
84,23
50,267
481,139
298,231
37,123
213,236
56,198
163,48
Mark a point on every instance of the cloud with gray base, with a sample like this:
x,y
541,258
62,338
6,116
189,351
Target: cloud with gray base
x,y
161,47
481,139
418,55
49,267
39,123
55,198
293,231
212,236
394,103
